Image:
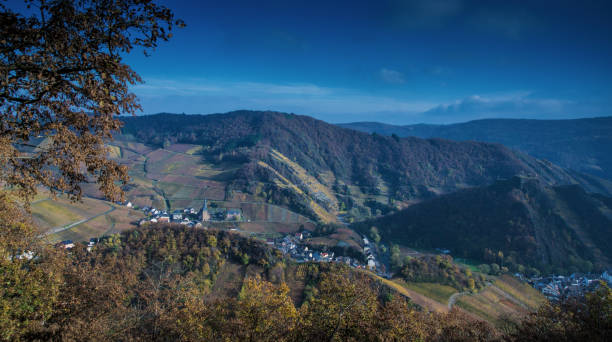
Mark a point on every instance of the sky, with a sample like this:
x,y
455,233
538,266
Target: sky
x,y
399,62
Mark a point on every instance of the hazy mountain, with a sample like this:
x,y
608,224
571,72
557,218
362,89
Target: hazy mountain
x,y
583,145
556,229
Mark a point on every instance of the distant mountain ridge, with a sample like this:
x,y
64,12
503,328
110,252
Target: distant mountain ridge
x,y
583,145
320,165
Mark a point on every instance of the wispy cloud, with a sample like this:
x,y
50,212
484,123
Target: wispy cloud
x,y
344,105
330,104
517,104
391,76
157,87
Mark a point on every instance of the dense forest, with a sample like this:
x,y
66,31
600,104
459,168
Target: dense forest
x,y
170,283
409,167
583,145
519,224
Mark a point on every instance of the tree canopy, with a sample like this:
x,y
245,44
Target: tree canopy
x,y
63,79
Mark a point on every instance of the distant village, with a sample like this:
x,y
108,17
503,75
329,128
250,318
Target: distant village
x,y
190,216
294,246
558,287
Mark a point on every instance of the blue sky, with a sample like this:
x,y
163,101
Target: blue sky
x,y
402,62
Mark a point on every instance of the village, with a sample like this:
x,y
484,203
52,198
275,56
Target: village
x,y
556,287
190,216
295,246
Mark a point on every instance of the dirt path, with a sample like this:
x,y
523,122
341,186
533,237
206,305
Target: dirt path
x,y
453,299
455,296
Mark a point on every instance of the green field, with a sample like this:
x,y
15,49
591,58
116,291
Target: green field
x,y
51,214
438,292
471,264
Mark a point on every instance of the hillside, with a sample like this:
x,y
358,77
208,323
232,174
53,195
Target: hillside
x,y
517,223
583,145
174,283
320,170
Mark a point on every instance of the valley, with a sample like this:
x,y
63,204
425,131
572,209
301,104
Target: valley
x,y
179,171
279,192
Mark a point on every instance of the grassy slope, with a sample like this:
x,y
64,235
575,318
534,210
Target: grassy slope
x,y
506,298
59,212
438,292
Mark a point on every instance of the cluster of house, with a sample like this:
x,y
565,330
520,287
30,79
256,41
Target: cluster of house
x,y
68,244
373,264
557,287
190,216
293,245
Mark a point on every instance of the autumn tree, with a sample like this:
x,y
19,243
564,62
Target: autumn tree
x,y
343,310
578,318
62,84
30,274
63,81
265,312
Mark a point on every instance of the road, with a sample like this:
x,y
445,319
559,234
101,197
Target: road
x,y
453,299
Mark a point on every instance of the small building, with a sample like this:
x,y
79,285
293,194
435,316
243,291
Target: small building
x,y
129,204
67,244
177,215
164,219
205,216
27,255
607,277
92,242
371,264
233,214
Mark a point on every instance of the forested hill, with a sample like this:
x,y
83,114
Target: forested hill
x,y
555,229
405,168
583,144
